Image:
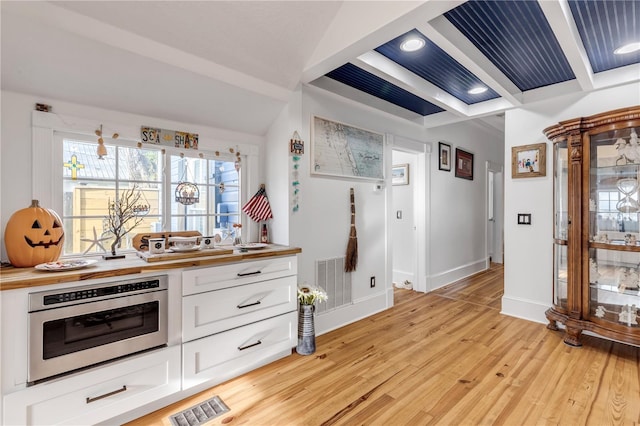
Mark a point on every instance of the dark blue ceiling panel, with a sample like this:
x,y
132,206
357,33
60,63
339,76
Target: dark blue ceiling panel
x,y
436,66
360,79
517,38
605,25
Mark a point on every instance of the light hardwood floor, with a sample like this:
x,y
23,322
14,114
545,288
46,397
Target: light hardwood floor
x,y
445,358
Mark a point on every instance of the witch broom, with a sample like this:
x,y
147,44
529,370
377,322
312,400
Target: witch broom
x,y
351,260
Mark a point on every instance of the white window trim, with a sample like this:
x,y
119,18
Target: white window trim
x,y
46,173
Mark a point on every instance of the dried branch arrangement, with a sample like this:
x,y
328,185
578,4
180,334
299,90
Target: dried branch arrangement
x,y
125,214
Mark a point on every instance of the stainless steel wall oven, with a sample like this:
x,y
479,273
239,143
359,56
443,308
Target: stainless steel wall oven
x,y
80,326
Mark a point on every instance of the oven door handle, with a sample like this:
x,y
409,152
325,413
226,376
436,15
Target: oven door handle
x,y
106,395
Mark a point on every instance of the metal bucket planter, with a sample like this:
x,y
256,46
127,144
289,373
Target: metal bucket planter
x,y
306,330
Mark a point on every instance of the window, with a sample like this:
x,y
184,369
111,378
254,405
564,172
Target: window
x,y
218,182
90,185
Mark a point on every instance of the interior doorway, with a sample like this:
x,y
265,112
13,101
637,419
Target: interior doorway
x,y
404,238
495,209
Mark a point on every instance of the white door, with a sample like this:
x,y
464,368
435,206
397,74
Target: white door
x,y
404,242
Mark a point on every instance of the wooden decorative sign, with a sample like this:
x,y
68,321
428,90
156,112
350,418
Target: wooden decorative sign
x,y
172,138
296,145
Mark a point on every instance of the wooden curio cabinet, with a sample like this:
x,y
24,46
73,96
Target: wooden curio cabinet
x,y
596,173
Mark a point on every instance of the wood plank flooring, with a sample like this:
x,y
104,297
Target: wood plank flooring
x,y
446,358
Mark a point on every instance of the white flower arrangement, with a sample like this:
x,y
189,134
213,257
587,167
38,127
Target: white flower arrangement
x,y
308,295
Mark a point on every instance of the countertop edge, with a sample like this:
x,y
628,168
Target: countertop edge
x,y
17,278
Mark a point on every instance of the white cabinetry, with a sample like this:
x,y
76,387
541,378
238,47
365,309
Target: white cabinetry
x,y
237,317
99,394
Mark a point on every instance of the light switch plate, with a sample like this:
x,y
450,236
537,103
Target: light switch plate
x,y
524,218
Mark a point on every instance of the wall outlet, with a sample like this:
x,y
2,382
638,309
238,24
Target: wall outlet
x,y
372,283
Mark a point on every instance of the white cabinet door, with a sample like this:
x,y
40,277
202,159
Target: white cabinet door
x,y
97,395
225,355
216,311
219,277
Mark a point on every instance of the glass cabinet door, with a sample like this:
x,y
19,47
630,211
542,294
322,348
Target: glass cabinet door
x,y
561,208
614,236
561,190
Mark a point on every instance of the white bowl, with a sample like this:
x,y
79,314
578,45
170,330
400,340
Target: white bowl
x,y
184,242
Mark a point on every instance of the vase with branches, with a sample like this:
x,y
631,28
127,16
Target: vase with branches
x,y
125,213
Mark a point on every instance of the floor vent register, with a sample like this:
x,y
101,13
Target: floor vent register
x,y
200,413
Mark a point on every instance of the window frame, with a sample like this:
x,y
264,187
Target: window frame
x,y
46,156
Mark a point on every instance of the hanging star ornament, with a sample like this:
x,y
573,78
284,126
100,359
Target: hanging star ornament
x,y
95,242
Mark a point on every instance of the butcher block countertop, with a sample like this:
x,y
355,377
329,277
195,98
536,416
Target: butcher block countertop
x,y
14,278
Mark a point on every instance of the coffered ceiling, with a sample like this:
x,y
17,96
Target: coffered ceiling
x,y
234,64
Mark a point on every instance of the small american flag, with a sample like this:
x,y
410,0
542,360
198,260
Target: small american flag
x,y
258,207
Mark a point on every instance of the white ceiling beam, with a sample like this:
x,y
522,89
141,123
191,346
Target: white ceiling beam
x,y
361,26
441,119
617,77
359,99
387,69
563,25
490,107
444,34
116,37
553,91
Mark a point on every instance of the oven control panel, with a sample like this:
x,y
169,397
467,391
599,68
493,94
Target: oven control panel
x,y
100,291
50,299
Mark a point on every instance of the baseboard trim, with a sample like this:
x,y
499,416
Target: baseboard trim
x,y
524,309
402,276
452,275
359,309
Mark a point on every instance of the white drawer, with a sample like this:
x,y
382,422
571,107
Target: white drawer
x,y
215,311
218,277
146,378
225,355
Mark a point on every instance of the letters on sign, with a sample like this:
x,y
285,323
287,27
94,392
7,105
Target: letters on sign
x,y
173,138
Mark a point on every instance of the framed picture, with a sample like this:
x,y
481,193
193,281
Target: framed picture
x,y
338,149
529,160
464,164
444,156
400,174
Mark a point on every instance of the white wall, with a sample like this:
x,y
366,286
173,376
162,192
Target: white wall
x,y
16,151
458,206
321,226
279,166
528,274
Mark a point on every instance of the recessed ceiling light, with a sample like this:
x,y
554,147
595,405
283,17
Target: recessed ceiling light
x,y
412,44
477,90
627,48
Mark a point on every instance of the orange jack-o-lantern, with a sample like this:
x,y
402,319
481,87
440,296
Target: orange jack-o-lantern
x,y
34,235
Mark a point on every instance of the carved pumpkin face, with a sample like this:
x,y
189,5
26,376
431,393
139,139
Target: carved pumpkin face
x,y
34,235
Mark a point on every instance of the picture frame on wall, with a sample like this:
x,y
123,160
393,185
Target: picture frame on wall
x,y
400,174
464,164
529,161
444,156
345,151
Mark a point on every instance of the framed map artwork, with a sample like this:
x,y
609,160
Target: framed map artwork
x,y
338,149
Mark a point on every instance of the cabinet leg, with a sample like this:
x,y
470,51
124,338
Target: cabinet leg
x,y
572,337
553,325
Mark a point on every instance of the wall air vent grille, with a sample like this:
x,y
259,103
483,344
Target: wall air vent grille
x,y
331,277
